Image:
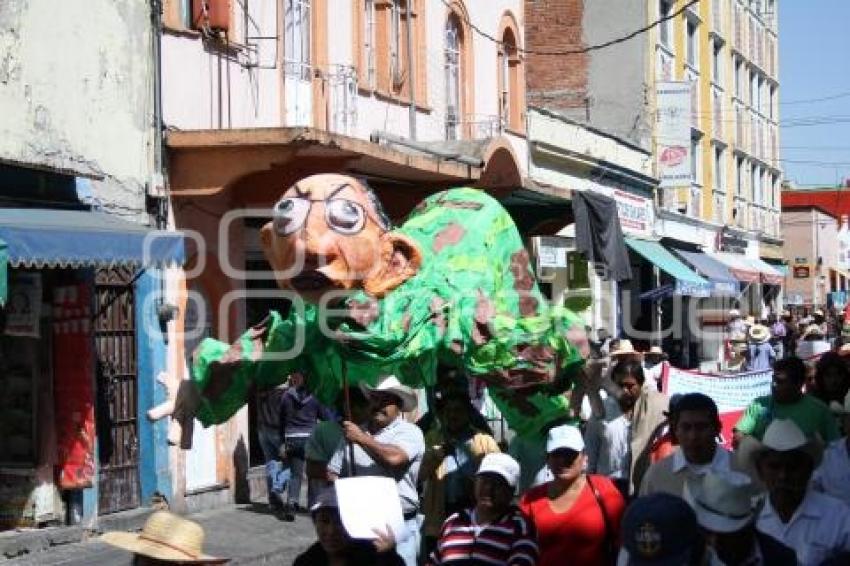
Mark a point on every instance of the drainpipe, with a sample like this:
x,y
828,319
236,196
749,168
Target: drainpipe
x,y
411,72
156,29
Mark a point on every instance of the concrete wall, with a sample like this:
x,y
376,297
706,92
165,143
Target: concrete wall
x,y
617,76
810,234
75,84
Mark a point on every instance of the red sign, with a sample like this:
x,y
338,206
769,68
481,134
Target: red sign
x,y
73,385
801,272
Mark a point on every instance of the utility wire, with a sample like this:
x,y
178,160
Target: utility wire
x,y
581,50
813,100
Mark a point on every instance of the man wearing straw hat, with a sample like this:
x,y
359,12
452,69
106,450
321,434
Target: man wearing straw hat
x,y
165,539
760,354
387,446
726,506
817,526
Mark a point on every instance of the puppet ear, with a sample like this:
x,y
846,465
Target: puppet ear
x,y
400,259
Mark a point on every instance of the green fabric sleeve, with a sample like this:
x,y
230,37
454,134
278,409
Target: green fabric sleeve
x,y
749,421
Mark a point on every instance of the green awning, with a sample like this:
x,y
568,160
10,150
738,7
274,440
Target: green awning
x,y
687,281
4,273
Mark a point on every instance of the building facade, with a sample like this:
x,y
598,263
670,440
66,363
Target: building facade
x,y
82,336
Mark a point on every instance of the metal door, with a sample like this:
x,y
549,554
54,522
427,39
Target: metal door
x,y
115,351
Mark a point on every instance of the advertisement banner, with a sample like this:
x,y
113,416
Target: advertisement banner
x,y
73,350
732,393
674,133
24,307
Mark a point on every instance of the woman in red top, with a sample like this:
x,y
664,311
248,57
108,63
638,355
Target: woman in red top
x,y
577,516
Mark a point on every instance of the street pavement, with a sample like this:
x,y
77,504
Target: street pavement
x,y
246,533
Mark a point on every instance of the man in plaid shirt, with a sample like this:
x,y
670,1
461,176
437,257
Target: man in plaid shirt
x,y
494,531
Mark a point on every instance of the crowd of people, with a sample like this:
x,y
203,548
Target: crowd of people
x,y
627,476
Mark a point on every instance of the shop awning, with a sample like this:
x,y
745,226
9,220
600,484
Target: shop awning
x,y
687,281
769,274
723,283
739,267
38,237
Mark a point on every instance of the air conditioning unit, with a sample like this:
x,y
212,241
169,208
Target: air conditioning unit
x,y
211,14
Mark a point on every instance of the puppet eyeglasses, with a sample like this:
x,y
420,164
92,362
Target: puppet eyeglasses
x,y
343,216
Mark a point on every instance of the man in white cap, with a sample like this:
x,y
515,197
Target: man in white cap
x,y
726,507
387,446
817,526
494,531
833,475
736,326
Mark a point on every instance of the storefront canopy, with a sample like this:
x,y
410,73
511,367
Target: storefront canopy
x,y
750,270
723,283
687,282
38,237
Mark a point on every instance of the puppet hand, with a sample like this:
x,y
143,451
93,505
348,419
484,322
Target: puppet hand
x,y
384,541
181,405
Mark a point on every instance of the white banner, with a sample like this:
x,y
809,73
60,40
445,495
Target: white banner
x,y
731,392
674,133
24,307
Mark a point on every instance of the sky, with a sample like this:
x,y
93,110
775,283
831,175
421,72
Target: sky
x,y
814,63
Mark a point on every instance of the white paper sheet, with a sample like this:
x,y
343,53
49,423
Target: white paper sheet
x,y
367,503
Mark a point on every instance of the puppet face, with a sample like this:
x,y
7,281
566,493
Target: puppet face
x,y
328,234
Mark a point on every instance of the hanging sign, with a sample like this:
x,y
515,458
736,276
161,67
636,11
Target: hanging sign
x,y
674,133
24,307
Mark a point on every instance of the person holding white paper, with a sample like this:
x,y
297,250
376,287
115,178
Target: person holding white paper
x,y
387,446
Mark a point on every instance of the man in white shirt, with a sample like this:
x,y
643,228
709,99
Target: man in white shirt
x,y
695,424
817,526
833,475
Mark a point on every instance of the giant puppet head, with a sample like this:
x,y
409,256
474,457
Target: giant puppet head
x,y
329,232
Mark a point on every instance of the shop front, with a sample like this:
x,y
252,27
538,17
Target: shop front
x,y
79,346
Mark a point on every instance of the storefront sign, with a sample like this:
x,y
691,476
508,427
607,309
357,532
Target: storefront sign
x,y
674,133
732,243
551,252
24,307
688,289
73,385
732,393
636,213
802,272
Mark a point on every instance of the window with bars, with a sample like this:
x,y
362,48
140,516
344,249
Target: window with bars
x,y
452,67
297,38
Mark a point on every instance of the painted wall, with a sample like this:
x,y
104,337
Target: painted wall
x,y
75,84
810,234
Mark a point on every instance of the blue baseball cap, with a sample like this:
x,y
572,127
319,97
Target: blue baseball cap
x,y
661,530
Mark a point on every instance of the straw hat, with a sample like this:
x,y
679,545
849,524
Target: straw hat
x,y
723,502
734,313
624,348
783,435
166,536
759,333
655,351
812,330
391,384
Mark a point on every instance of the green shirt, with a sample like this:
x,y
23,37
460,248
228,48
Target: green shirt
x,y
810,414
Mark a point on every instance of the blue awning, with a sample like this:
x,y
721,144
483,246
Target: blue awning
x,y
38,237
723,283
687,282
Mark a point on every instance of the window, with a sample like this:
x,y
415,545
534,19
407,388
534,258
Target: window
x,y
664,7
772,103
452,58
396,42
692,45
739,77
696,158
185,9
369,42
717,62
719,168
509,77
664,70
739,176
754,90
297,38
754,185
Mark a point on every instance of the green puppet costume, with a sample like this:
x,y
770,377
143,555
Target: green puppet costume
x,y
473,303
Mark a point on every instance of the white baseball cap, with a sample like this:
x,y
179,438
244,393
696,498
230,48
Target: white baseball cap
x,y
501,464
564,436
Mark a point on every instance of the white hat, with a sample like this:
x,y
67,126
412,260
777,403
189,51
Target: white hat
x,y
391,384
734,313
759,333
501,464
624,348
818,312
783,435
564,436
723,502
812,330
